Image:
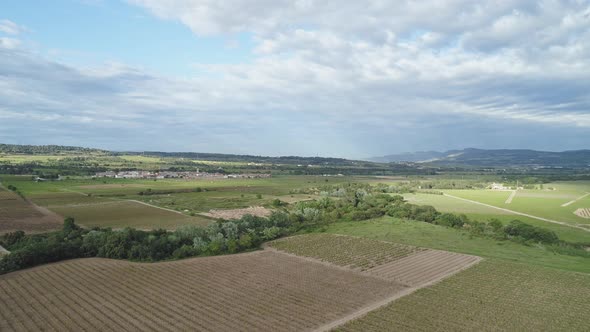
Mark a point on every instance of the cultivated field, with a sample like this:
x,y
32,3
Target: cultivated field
x,y
491,296
408,265
18,214
117,203
117,214
347,251
264,290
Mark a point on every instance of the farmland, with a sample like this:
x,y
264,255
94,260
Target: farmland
x,y
126,213
263,290
493,295
557,202
118,203
18,214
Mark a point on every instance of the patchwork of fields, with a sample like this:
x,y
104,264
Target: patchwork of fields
x,y
264,290
170,203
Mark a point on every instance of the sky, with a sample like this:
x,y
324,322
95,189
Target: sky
x,y
338,78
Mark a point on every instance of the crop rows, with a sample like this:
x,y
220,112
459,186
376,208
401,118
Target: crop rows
x,y
18,214
584,213
257,291
424,267
493,295
347,251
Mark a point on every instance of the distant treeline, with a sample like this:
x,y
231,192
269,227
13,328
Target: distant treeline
x,y
46,149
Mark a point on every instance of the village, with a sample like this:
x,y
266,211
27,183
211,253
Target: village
x,y
177,175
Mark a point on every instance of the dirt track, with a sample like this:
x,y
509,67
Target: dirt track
x,y
575,200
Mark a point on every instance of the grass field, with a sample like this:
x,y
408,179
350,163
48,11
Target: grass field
x,y
492,296
119,214
542,203
484,213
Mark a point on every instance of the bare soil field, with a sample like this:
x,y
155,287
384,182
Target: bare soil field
x,y
264,290
257,211
17,213
583,212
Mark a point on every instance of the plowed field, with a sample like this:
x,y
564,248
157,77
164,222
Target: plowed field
x,y
267,290
18,214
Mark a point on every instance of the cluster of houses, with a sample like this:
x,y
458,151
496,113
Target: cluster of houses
x,y
501,186
176,175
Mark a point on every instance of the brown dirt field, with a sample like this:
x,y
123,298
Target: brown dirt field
x,y
259,291
423,267
20,214
583,212
257,211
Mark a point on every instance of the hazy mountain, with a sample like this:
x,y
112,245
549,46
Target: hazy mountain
x,y
498,158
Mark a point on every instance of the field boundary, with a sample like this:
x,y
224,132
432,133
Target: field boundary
x,y
575,200
374,306
519,213
154,206
266,246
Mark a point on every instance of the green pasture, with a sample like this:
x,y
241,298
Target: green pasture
x,y
485,213
541,203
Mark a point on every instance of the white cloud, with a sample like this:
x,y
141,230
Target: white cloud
x,y
9,27
331,68
9,43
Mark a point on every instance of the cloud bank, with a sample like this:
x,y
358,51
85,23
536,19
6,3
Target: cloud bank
x,y
338,78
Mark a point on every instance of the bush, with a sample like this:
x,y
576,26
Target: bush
x,y
527,232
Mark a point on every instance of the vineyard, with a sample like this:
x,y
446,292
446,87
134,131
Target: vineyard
x,y
18,214
346,251
263,290
408,265
494,295
257,291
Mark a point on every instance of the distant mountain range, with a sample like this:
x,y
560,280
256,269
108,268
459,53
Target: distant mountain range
x,y
494,158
